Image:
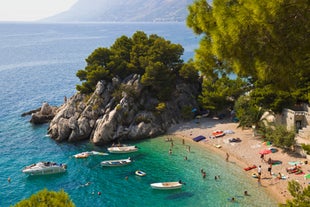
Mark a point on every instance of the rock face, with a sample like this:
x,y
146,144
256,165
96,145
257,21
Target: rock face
x,y
42,115
111,114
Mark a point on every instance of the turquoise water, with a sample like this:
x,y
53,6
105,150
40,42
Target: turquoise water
x,y
38,63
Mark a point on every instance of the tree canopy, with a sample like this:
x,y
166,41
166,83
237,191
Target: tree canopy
x,y
157,60
45,198
266,42
301,196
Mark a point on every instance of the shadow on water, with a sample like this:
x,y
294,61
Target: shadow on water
x,y
181,195
45,177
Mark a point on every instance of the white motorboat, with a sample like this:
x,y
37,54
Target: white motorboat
x,y
112,163
167,185
123,149
87,154
82,155
45,168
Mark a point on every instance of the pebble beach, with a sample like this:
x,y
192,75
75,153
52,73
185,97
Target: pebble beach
x,y
246,153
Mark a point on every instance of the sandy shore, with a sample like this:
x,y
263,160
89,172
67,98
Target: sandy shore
x,y
244,153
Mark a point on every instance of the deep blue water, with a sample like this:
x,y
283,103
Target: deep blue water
x,y
38,63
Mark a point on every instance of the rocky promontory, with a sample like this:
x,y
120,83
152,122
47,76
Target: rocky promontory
x,y
42,115
121,110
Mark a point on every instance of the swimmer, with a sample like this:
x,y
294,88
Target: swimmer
x,y
9,179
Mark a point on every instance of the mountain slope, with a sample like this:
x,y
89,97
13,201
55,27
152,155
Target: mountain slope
x,y
124,11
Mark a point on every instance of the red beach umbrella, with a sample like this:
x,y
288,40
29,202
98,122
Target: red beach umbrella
x,y
265,151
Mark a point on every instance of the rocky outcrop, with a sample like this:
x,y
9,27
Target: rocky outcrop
x,y
119,110
42,115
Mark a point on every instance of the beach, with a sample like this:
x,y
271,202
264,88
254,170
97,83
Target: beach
x,y
245,153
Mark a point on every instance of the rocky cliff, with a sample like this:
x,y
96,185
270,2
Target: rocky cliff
x,y
104,116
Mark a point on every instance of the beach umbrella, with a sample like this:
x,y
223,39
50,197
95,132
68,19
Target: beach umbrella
x,y
268,143
265,151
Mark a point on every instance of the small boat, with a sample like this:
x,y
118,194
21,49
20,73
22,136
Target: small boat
x,y
123,149
82,155
44,168
140,173
167,185
112,163
87,154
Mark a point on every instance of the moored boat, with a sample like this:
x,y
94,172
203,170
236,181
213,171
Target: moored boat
x,y
113,163
140,173
87,154
45,168
123,149
82,155
167,185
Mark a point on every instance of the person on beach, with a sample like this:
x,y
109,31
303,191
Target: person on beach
x,y
246,193
183,141
269,168
262,157
259,170
269,161
227,157
170,151
258,180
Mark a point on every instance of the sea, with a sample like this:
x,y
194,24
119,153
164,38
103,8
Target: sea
x,y
38,63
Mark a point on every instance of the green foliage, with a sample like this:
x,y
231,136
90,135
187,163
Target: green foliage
x,y
160,79
45,198
247,113
262,40
268,97
188,72
301,195
280,136
306,147
187,113
221,93
161,107
153,57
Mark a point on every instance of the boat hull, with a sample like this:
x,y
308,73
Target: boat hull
x,y
166,185
115,163
126,149
42,169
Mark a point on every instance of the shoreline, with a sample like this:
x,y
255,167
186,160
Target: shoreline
x,y
244,153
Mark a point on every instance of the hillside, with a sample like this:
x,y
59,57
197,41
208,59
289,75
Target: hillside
x,y
124,11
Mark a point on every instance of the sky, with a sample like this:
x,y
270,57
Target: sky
x,y
31,10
